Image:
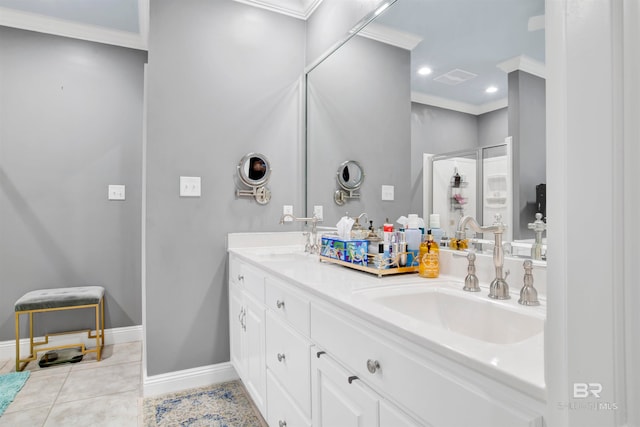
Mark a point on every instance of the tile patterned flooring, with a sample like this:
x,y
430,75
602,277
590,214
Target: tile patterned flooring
x,y
88,393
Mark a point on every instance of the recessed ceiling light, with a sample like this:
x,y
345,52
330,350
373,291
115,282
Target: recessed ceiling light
x,y
425,71
491,89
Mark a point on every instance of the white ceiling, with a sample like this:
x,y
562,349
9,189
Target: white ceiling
x,y
487,38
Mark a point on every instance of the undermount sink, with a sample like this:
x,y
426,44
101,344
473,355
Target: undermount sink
x,y
469,314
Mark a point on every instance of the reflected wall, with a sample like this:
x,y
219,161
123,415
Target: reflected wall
x,y
359,108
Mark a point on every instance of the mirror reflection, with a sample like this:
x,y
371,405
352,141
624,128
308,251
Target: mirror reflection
x,y
350,175
374,98
254,169
253,172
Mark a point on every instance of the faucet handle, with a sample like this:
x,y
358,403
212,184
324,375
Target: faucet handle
x,y
471,281
528,294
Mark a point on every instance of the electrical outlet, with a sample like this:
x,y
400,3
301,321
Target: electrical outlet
x,y
189,186
287,209
317,212
115,192
387,192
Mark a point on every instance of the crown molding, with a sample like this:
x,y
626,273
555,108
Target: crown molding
x,y
300,9
60,27
463,107
390,36
524,63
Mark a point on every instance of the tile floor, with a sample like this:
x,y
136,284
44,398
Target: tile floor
x,y
88,393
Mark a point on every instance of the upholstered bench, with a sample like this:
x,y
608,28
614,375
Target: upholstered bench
x,y
46,300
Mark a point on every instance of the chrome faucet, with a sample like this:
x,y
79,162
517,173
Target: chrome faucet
x,y
499,289
311,246
539,227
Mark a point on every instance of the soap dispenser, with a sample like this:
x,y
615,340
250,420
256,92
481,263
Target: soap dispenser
x,y
429,257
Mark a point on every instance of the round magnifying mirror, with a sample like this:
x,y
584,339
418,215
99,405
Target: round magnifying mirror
x,y
350,175
254,169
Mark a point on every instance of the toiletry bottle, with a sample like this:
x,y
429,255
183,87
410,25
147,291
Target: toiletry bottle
x,y
386,237
429,266
413,237
434,224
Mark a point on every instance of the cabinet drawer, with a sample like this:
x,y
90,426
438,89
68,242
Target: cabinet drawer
x,y
281,411
288,358
288,304
428,390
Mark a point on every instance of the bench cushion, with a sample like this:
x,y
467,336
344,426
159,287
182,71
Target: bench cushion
x,y
59,297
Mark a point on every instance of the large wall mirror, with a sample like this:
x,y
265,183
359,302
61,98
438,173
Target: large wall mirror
x,y
430,76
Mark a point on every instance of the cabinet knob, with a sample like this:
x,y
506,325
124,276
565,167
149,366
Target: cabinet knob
x,y
240,277
282,423
280,357
373,366
280,304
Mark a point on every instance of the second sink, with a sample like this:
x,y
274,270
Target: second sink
x,y
446,307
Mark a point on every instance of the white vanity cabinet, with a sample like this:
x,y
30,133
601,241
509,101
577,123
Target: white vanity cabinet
x,y
308,360
428,387
247,328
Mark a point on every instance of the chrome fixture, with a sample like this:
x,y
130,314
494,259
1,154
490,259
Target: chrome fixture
x,y
539,227
528,294
349,176
373,366
253,171
471,283
498,289
311,246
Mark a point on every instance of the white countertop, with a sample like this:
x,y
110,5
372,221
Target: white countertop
x,y
519,365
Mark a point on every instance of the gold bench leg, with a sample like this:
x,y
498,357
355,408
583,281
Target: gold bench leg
x,y
17,342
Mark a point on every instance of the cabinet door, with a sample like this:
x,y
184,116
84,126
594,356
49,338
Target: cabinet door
x,y
256,375
236,329
336,401
392,416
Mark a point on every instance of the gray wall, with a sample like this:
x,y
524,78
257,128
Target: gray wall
x,y
493,127
436,130
359,109
70,124
223,80
527,125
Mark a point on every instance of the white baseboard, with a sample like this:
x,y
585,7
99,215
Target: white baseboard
x,y
111,336
188,378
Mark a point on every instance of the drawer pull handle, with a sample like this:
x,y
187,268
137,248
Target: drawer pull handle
x,y
320,353
280,357
279,304
282,423
373,366
352,378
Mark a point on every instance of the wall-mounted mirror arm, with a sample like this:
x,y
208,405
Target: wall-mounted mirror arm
x,y
261,194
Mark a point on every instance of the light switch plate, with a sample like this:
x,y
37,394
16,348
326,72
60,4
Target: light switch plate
x,y
189,186
387,192
317,211
115,192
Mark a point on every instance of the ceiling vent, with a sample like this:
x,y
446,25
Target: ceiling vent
x,y
455,77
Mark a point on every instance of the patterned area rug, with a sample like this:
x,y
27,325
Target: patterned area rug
x,y
219,405
10,385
